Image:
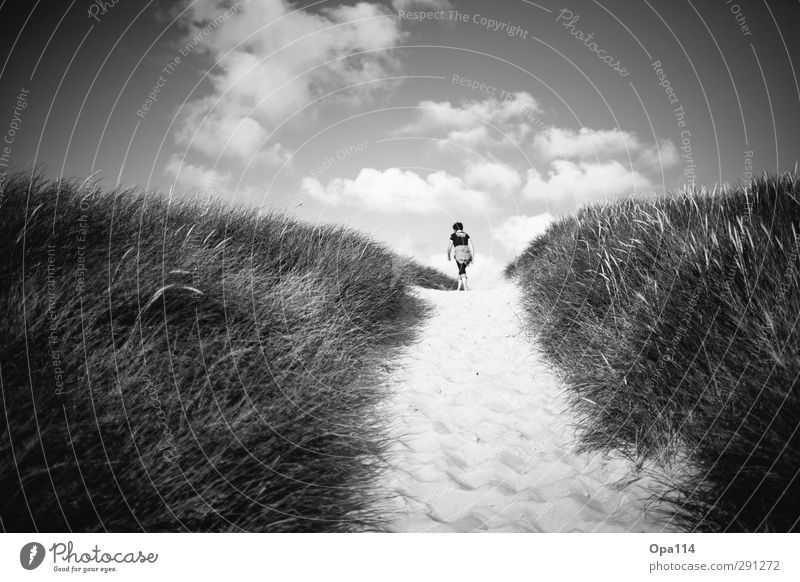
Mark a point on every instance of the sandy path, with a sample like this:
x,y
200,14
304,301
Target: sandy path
x,y
484,442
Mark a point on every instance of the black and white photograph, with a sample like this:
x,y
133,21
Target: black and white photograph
x,y
383,269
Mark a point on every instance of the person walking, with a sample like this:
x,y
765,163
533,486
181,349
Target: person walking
x,y
462,248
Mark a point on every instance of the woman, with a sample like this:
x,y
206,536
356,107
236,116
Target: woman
x,y
461,246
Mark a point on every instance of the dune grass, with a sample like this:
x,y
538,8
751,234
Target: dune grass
x,y
181,366
675,323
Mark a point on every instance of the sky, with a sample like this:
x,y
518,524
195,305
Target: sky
x,y
399,117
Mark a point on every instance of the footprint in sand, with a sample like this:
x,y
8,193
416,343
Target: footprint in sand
x,y
486,443
441,428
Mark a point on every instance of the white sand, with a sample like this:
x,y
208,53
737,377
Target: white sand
x,y
485,441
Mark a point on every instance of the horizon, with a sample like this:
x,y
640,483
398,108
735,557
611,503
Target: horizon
x,y
399,118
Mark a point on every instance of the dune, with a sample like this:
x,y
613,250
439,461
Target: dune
x,y
484,438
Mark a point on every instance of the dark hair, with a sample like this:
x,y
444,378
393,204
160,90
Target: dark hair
x,y
458,226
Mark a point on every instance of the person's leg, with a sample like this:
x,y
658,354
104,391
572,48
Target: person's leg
x,y
462,276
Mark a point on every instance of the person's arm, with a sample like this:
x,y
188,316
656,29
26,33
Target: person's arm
x,y
449,249
472,248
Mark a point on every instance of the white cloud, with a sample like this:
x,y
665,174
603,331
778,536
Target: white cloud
x,y
586,143
569,184
191,178
421,4
267,43
477,123
516,232
198,178
603,145
590,165
393,190
661,157
500,122
492,176
225,133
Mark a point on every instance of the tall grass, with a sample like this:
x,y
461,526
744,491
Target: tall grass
x,y
675,323
172,366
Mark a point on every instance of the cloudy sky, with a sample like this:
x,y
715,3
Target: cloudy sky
x,y
399,116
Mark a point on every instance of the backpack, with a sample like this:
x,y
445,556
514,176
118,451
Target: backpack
x,y
462,252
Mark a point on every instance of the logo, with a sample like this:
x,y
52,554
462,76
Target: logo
x,y
31,555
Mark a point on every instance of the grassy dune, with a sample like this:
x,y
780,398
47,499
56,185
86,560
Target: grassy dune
x,y
675,322
171,366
